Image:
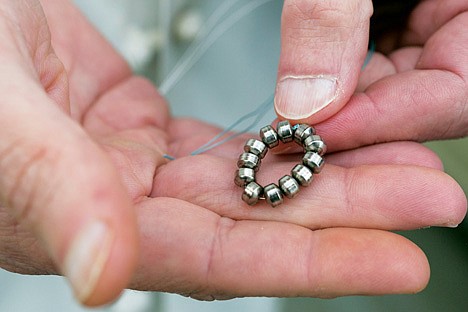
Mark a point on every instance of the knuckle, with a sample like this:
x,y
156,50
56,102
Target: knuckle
x,y
24,168
212,288
212,282
329,13
20,252
316,24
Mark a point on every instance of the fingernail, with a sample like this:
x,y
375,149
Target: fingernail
x,y
299,97
87,257
450,225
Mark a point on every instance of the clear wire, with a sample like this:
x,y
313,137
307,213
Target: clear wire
x,y
211,31
257,114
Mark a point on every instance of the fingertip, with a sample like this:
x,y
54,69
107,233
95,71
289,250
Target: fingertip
x,y
116,272
375,263
86,258
420,275
301,97
323,47
427,157
102,256
411,269
456,202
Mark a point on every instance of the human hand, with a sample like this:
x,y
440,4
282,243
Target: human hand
x,y
416,91
65,208
88,146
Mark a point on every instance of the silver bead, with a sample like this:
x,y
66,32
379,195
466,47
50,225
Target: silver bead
x,y
302,174
256,147
273,195
269,136
302,132
285,131
289,186
252,193
313,161
314,143
249,160
244,176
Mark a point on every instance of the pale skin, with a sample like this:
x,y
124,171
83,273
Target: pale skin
x,y
87,193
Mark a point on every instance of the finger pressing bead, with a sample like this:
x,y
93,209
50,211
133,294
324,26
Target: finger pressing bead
x,y
273,195
244,176
302,132
289,186
285,131
302,174
256,147
313,161
252,193
314,143
249,160
269,136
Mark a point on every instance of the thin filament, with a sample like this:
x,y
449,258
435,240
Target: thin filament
x,y
257,113
180,68
217,30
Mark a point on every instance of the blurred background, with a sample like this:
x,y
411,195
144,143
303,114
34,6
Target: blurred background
x,y
232,73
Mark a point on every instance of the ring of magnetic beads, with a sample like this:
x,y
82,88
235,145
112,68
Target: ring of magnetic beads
x,y
288,186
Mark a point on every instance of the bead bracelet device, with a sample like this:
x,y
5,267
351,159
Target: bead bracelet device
x,y
301,175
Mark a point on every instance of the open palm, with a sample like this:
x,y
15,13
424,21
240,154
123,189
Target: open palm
x,y
95,151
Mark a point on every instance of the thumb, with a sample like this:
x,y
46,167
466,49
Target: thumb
x,y
62,186
323,47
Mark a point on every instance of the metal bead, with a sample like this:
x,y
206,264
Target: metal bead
x,y
252,193
273,195
249,160
289,186
302,174
269,136
285,131
302,132
313,161
314,143
244,176
256,147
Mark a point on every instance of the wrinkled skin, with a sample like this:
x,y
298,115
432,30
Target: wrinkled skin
x,y
83,139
